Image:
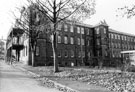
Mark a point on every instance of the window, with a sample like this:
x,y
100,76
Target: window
x,y
98,42
113,54
88,43
37,17
115,36
66,40
122,37
122,45
116,45
59,26
72,53
82,30
119,37
106,54
78,41
26,50
89,54
59,39
119,45
125,38
109,35
98,53
119,55
37,50
14,40
78,30
82,41
131,39
65,27
79,54
104,30
72,40
112,36
97,30
59,53
87,30
71,28
109,45
66,53
83,54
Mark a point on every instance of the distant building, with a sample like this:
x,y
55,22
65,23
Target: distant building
x,y
2,49
130,56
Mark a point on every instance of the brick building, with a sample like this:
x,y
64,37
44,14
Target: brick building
x,y
78,44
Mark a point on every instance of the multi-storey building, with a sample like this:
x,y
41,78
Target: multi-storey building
x,y
14,44
78,44
119,41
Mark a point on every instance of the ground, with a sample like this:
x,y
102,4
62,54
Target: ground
x,y
112,79
14,80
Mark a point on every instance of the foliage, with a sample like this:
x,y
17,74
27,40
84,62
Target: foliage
x,y
128,11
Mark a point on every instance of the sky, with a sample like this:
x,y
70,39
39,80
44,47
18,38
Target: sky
x,y
105,10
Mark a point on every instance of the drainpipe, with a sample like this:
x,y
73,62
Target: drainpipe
x,y
11,47
81,48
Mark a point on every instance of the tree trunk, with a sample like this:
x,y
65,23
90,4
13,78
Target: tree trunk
x,y
33,57
54,47
100,63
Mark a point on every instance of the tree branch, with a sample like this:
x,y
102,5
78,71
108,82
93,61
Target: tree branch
x,y
50,3
72,12
62,6
46,14
43,5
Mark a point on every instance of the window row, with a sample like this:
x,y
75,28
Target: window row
x,y
117,36
80,41
80,30
118,45
70,53
116,54
128,46
99,29
115,45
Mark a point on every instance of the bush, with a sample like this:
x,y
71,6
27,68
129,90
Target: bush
x,y
131,69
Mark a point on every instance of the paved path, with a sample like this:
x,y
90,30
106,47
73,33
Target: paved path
x,y
13,80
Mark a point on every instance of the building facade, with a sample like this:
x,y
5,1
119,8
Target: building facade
x,y
78,44
119,41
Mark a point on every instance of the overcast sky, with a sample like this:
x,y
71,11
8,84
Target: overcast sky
x,y
105,10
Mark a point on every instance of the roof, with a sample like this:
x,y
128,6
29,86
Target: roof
x,y
112,30
101,23
78,23
128,51
15,31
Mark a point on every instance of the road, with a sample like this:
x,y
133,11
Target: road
x,y
14,80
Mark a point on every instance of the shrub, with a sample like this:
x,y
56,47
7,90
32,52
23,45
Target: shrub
x,y
131,69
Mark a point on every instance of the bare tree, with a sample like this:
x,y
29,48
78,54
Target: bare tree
x,y
55,12
58,11
30,25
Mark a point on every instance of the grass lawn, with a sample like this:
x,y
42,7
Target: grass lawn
x,y
112,80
